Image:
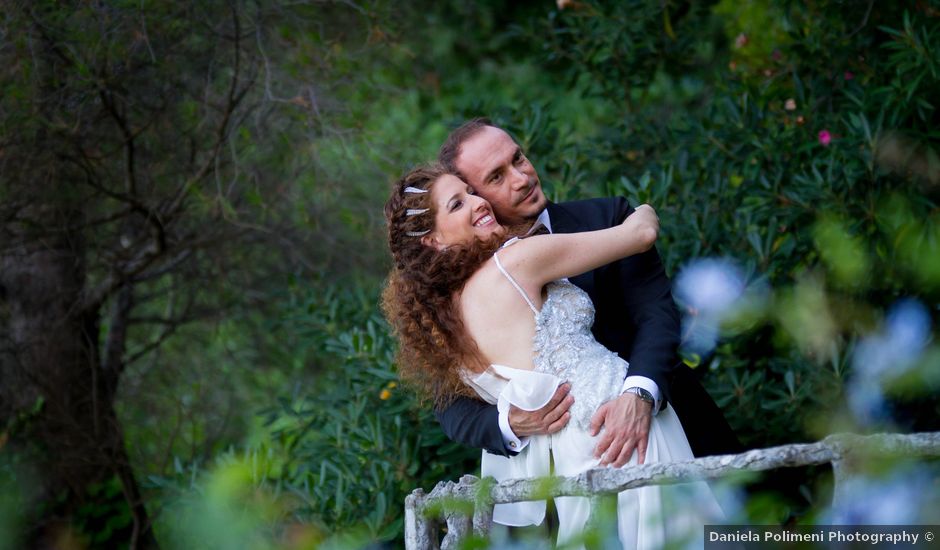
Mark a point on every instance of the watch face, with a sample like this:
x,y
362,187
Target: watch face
x,y
642,394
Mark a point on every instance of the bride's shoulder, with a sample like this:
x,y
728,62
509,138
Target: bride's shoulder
x,y
507,256
484,274
517,249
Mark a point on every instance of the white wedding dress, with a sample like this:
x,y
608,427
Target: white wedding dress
x,y
565,350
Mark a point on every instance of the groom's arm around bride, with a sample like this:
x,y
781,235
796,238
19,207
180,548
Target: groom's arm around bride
x,y
635,317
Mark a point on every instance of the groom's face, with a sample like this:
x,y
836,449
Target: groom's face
x,y
494,165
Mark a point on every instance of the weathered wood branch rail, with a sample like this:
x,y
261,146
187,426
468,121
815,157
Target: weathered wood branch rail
x,y
422,530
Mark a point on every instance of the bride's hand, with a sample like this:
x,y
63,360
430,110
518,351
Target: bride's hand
x,y
644,220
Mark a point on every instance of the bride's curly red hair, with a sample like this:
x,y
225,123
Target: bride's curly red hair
x,y
420,298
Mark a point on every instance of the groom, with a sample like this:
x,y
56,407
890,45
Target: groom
x,y
635,317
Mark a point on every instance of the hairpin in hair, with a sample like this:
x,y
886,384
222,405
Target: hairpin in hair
x,y
418,233
415,211
410,189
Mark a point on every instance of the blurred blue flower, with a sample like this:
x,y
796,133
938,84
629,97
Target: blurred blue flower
x,y
900,498
732,498
699,334
908,326
867,401
886,354
709,288
895,348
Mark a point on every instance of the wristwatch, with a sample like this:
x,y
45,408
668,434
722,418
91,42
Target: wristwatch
x,y
642,394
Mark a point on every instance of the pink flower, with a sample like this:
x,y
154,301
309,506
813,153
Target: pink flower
x,y
790,104
740,41
848,75
825,138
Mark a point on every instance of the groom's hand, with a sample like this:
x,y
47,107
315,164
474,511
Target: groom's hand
x,y
547,420
626,422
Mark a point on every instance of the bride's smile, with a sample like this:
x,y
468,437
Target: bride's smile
x,y
460,215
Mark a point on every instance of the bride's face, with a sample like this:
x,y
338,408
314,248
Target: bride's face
x,y
461,216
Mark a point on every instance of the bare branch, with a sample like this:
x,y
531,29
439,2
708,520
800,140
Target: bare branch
x,y
92,299
166,268
112,365
154,344
150,215
151,320
130,177
234,98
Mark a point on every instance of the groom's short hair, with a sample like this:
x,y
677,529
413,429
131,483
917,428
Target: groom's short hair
x,y
450,150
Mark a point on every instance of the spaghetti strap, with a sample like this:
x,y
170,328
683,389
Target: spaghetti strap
x,y
515,284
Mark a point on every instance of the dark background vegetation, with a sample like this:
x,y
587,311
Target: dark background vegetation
x,y
192,247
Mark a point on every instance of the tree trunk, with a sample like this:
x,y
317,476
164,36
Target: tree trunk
x,y
56,400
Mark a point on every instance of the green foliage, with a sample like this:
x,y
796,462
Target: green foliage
x,y
340,453
356,440
777,142
663,103
14,480
800,139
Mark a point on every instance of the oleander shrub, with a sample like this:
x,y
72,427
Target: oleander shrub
x,y
331,462
799,140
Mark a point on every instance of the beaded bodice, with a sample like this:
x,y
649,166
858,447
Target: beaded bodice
x,y
565,347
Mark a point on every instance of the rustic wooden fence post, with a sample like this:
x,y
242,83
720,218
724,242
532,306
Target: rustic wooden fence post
x,y
422,532
483,507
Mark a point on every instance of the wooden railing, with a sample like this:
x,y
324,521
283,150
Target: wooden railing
x,y
423,529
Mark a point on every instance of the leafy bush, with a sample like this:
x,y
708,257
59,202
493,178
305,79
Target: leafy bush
x,y
357,442
339,454
799,139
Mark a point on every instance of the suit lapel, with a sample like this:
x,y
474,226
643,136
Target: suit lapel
x,y
564,222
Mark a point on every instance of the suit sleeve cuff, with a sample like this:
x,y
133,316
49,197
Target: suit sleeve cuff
x,y
635,382
513,444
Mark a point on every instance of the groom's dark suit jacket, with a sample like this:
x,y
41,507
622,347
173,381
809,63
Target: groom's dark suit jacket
x,y
637,318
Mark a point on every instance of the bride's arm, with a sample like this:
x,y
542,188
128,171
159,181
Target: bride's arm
x,y
545,258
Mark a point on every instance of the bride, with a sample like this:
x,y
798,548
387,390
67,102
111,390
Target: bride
x,y
497,320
